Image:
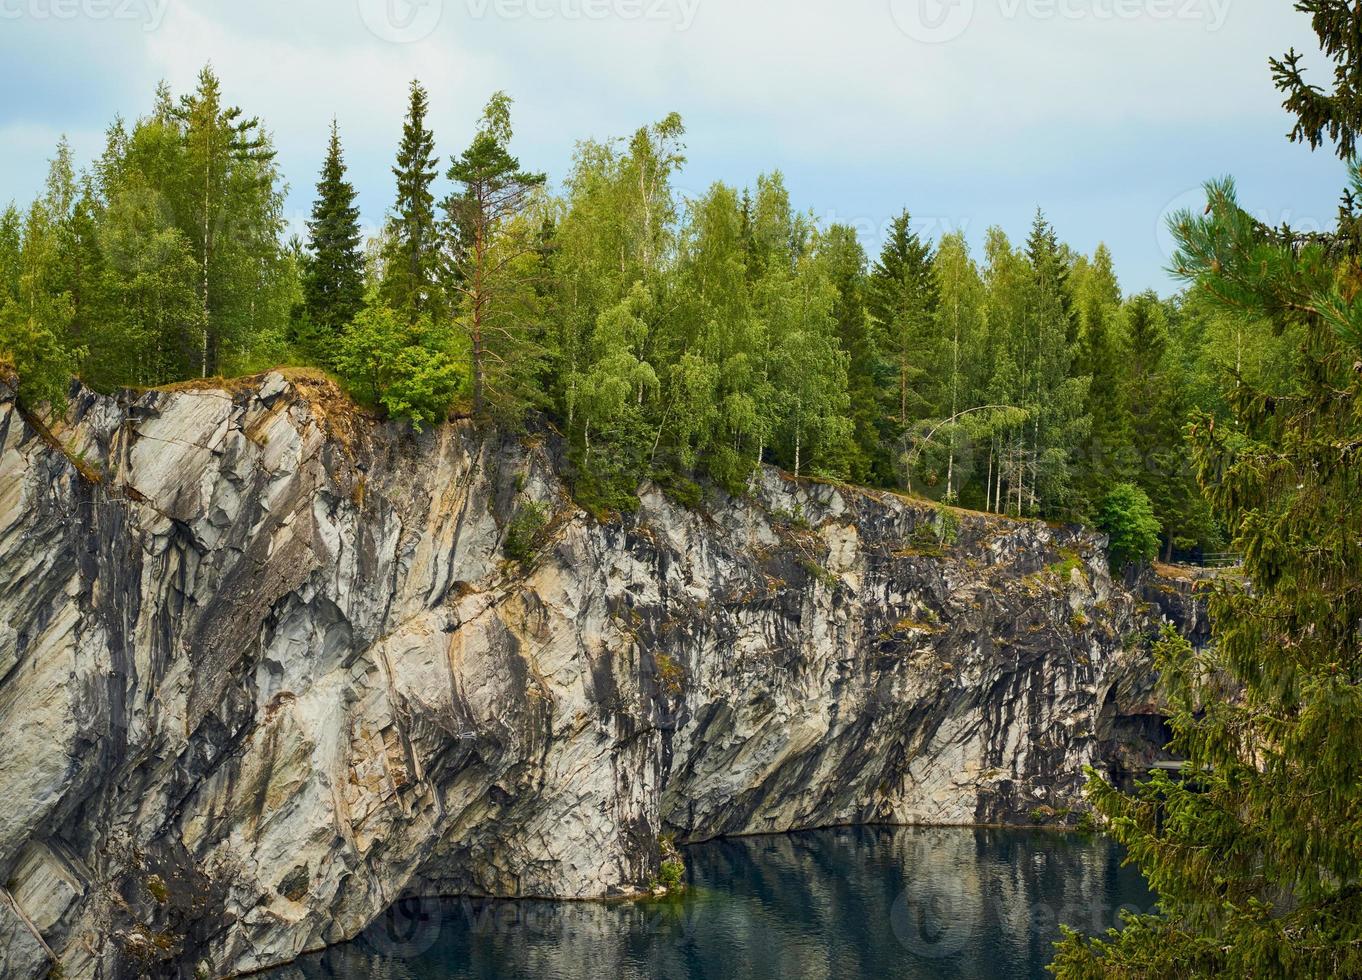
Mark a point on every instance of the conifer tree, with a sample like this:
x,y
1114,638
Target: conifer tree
x,y
902,299
1255,851
411,258
333,281
871,456
494,240
1052,395
1101,357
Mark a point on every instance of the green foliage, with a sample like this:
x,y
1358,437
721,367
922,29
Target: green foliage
x,y
333,276
36,314
682,339
525,532
403,367
30,343
1254,851
494,242
671,873
1128,519
947,526
412,240
672,869
223,187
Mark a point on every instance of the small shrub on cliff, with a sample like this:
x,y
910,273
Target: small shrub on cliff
x,y
671,674
948,525
525,533
671,873
1128,519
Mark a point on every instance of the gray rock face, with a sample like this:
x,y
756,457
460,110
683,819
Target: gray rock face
x,y
264,669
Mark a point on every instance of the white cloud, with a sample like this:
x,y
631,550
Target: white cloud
x,y
1079,105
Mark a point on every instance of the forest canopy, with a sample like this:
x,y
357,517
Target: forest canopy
x,y
674,338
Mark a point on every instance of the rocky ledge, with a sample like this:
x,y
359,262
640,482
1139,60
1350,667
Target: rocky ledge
x,y
265,667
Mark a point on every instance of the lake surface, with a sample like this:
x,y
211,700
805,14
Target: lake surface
x,y
864,902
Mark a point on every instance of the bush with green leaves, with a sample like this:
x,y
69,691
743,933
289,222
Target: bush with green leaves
x,y
1128,519
406,368
525,533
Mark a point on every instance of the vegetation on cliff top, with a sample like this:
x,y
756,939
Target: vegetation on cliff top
x,y
669,337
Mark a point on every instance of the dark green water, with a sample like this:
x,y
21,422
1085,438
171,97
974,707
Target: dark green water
x,y
867,902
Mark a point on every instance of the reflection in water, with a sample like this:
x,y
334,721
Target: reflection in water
x,y
864,902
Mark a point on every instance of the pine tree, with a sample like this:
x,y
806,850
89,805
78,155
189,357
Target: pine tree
x,y
489,265
1053,396
411,259
333,281
1255,851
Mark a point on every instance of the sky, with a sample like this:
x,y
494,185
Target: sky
x,y
1107,114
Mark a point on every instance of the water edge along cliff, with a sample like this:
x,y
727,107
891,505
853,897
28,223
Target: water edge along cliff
x,y
265,667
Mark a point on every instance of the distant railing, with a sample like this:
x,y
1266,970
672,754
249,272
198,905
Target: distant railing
x,y
1227,560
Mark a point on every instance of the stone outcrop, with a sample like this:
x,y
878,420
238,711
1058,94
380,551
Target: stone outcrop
x,y
265,668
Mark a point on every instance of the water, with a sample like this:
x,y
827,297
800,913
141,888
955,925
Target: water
x,y
866,902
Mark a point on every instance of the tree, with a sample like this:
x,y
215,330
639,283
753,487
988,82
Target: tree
x,y
1053,395
493,242
902,299
231,212
11,252
1128,519
1108,452
411,256
870,448
154,334
816,321
35,320
612,398
333,280
401,366
1155,394
1254,851
959,316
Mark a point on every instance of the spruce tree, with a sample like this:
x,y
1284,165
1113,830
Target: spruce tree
x,y
1101,356
1256,851
333,282
411,258
902,298
1053,395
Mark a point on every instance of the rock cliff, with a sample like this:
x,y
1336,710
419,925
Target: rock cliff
x,y
265,668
